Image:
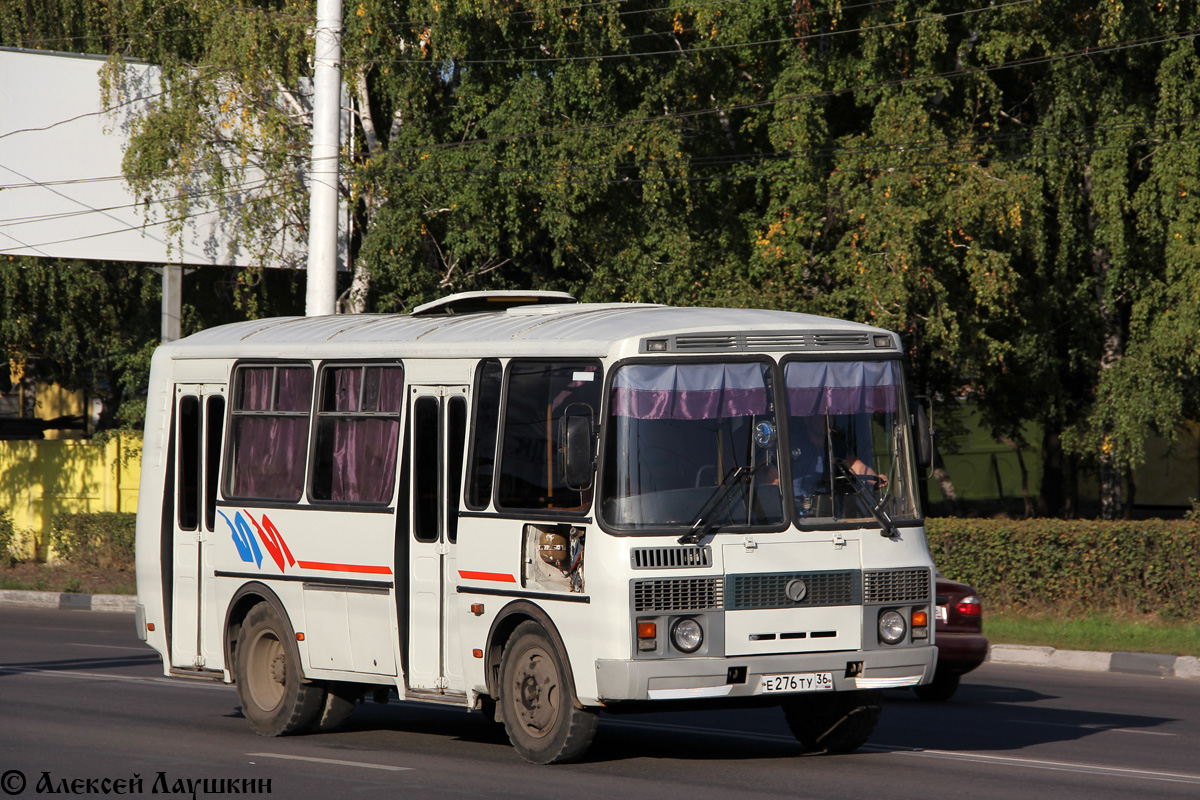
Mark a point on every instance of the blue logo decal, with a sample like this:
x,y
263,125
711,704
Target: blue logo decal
x,y
243,538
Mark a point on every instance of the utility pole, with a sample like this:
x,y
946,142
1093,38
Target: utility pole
x,y
321,291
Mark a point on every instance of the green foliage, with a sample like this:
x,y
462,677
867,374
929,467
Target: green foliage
x,y
1148,566
84,325
8,537
104,539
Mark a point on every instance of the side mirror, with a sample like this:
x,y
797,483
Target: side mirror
x,y
576,441
923,438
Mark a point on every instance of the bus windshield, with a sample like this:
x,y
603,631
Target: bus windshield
x,y
848,441
693,443
699,445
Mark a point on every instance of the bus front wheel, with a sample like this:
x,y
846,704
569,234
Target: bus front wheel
x,y
276,700
543,721
835,722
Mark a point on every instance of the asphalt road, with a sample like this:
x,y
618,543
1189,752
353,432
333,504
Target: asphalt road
x,y
82,700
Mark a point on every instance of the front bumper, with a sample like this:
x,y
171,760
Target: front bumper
x,y
740,677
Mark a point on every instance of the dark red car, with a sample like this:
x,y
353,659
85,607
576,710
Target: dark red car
x,y
959,637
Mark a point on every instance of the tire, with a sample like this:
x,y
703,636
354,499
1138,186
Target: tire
x,y
944,685
338,706
537,701
834,722
275,698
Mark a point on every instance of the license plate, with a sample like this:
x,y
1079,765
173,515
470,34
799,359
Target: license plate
x,y
942,614
797,682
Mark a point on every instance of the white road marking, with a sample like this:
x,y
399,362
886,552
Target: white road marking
x,y
147,649
362,764
1058,766
105,676
1032,763
1093,726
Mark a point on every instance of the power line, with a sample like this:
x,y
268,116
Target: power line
x,y
1086,52
684,51
132,228
831,152
882,167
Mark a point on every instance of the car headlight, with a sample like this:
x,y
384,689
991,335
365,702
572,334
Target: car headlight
x,y
892,627
687,635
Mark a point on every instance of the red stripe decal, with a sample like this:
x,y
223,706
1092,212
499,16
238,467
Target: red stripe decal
x,y
344,567
486,576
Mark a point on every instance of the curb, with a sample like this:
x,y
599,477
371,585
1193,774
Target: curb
x,y
1129,663
119,603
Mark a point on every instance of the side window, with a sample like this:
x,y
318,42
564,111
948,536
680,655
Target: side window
x,y
189,462
488,377
269,432
213,424
358,424
456,432
426,461
538,396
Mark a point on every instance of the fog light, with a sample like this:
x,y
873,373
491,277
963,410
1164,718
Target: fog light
x,y
892,627
687,635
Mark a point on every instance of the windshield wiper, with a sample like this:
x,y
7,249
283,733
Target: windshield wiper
x,y
874,505
737,477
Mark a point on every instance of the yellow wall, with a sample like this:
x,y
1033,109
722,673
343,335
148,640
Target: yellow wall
x,y
53,401
39,479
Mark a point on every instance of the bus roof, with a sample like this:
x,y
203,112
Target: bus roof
x,y
576,328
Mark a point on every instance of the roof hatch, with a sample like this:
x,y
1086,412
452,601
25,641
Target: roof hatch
x,y
478,302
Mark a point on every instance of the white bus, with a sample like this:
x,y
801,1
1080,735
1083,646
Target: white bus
x,y
538,508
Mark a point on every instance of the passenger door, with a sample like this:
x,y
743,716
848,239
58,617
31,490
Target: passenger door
x,y
438,424
199,424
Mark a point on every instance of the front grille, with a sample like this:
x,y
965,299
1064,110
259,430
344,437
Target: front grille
x,y
896,586
770,590
670,557
678,594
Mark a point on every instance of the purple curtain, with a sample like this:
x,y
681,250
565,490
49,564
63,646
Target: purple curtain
x,y
842,387
269,451
256,389
364,448
268,457
690,391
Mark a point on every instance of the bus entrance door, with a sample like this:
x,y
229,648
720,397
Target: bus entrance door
x,y
438,421
199,416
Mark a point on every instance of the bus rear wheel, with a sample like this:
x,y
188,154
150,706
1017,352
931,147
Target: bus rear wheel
x,y
835,722
276,700
538,705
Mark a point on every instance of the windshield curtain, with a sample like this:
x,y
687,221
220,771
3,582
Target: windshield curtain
x,y
848,441
692,439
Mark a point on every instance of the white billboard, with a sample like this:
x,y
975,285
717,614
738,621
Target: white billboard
x,y
62,191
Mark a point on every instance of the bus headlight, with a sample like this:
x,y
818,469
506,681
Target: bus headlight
x,y
892,627
687,635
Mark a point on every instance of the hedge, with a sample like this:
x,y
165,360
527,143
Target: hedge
x,y
105,539
1146,566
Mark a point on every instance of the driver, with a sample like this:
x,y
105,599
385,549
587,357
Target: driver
x,y
810,454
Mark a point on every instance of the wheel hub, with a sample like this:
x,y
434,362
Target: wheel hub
x,y
536,683
279,669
